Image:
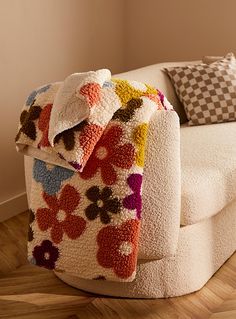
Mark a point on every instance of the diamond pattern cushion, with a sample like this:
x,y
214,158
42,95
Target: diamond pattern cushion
x,y
208,92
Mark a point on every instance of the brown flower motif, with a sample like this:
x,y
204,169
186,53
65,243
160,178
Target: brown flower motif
x,y
46,254
68,136
27,119
103,204
125,114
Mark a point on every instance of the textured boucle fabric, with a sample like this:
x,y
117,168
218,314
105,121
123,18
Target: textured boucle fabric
x,y
88,223
161,188
202,249
208,169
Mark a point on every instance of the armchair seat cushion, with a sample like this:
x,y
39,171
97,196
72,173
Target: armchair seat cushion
x,y
208,169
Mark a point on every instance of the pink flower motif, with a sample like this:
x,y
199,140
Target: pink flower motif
x,y
59,218
134,201
155,98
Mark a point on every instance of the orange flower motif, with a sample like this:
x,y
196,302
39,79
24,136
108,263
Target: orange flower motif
x,y
155,98
118,248
92,92
108,153
88,139
59,218
43,125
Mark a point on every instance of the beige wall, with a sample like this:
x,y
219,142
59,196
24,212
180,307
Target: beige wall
x,y
175,30
43,41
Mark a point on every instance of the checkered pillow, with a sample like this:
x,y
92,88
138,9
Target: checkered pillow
x,y
208,92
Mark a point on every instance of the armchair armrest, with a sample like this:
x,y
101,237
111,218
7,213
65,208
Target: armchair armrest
x,y
161,188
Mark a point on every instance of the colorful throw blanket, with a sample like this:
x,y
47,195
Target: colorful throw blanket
x,y
87,136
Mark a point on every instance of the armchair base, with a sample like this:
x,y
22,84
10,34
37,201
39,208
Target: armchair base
x,y
202,250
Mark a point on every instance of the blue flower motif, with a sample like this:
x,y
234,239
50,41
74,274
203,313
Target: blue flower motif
x,y
108,84
50,179
33,94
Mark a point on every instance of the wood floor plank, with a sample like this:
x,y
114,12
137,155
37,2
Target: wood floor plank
x,y
31,290
224,315
227,309
13,235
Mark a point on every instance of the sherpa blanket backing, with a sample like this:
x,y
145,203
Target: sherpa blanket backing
x,y
87,136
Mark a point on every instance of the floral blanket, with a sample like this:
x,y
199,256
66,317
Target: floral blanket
x,y
87,136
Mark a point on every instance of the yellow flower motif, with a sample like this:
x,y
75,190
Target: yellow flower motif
x,y
126,91
140,137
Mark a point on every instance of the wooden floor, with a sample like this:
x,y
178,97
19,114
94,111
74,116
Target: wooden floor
x,y
34,293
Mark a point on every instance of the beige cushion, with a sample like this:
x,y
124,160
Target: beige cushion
x,y
208,92
155,75
208,169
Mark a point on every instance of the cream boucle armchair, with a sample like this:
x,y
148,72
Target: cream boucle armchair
x,y
189,202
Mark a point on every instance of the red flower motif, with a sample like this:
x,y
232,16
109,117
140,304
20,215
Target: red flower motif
x,y
43,125
58,217
109,152
118,248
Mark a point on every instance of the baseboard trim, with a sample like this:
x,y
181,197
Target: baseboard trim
x,y
13,206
